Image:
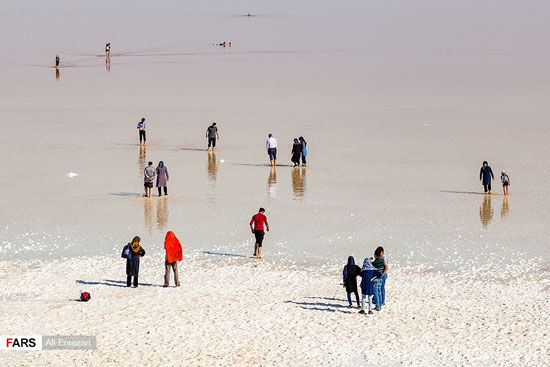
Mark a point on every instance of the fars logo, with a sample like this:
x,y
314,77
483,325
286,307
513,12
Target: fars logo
x,y
20,342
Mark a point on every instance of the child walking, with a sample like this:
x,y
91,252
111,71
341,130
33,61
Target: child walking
x,y
350,274
505,179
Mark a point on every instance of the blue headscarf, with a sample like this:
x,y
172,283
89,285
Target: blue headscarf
x,y
161,164
367,265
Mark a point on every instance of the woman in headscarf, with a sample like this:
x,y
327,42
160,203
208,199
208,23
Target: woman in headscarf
x,y
174,253
304,149
132,262
296,152
369,274
350,274
162,178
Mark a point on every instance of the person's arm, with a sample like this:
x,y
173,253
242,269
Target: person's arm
x,y
207,133
167,177
267,145
385,269
266,224
217,134
491,171
344,275
142,252
252,224
480,173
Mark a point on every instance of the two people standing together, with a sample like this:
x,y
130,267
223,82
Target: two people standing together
x,y
161,173
486,176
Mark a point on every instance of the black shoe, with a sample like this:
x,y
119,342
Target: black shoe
x,y
165,286
350,306
370,312
362,311
376,309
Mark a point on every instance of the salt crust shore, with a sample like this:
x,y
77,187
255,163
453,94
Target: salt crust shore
x,y
236,311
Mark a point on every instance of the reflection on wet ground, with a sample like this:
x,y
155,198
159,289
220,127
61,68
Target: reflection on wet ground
x,y
298,176
57,74
505,207
148,213
162,211
212,167
486,211
141,159
272,183
108,63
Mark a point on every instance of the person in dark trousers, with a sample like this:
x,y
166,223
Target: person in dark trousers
x,y
132,263
304,150
212,135
350,274
485,176
370,275
257,226
162,178
141,127
296,152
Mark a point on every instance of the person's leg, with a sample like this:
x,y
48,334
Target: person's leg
x,y
370,303
128,280
489,187
304,160
144,137
213,144
165,190
485,187
377,289
135,281
160,192
166,273
259,252
385,278
349,299
176,275
255,248
145,188
356,297
363,302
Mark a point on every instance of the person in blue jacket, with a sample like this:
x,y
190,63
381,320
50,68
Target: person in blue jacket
x,y
368,273
304,149
485,176
350,274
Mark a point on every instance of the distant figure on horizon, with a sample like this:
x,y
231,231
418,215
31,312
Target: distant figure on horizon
x,y
141,128
271,146
486,175
350,274
212,135
162,178
57,60
174,253
149,175
304,149
133,252
257,226
370,276
505,179
296,152
108,49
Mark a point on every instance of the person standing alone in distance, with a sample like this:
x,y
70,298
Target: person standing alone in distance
x,y
271,146
485,176
257,227
212,135
141,127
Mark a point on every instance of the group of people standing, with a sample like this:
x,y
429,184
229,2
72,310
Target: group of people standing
x,y
133,252
373,273
486,176
299,150
161,174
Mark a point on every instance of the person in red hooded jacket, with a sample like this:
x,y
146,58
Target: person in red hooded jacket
x,y
174,253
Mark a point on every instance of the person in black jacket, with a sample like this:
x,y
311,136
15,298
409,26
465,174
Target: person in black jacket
x,y
351,271
296,152
485,176
132,263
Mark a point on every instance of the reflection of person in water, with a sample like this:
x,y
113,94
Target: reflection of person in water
x,y
272,183
56,74
142,158
298,181
485,176
212,166
505,207
162,212
486,211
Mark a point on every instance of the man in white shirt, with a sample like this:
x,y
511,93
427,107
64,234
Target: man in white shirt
x,y
271,146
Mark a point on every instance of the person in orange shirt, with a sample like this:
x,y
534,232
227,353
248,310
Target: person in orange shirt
x,y
257,227
174,253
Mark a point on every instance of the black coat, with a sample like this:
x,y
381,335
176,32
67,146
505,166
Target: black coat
x,y
351,278
486,174
296,152
132,265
